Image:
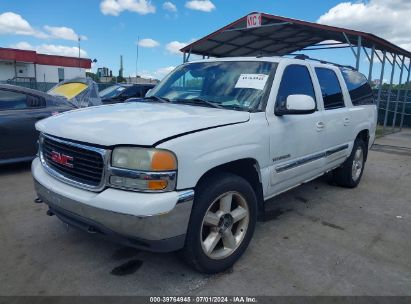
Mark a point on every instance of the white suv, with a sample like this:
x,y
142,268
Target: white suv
x,y
190,166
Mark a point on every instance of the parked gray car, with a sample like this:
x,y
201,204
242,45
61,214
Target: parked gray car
x,y
20,109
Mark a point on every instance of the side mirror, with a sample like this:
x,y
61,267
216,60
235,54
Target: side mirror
x,y
296,105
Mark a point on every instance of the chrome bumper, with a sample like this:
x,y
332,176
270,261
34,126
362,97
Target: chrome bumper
x,y
162,232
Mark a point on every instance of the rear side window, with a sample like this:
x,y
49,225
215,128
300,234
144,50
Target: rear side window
x,y
330,88
296,80
360,90
12,100
35,102
145,90
134,91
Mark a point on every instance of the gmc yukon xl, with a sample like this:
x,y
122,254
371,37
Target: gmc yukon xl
x,y
190,166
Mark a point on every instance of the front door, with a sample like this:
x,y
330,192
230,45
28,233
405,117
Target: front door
x,y
296,141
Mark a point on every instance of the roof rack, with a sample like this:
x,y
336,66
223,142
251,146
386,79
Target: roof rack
x,y
305,57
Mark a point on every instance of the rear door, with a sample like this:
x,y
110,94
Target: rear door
x,y
18,114
363,112
336,115
296,141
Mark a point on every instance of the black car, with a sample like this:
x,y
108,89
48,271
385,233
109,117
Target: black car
x,y
121,92
20,109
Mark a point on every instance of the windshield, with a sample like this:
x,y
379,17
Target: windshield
x,y
68,90
238,85
111,92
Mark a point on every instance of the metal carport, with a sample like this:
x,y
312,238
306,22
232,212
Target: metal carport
x,y
260,34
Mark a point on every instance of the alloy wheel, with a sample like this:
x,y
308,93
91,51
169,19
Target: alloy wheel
x,y
357,164
224,225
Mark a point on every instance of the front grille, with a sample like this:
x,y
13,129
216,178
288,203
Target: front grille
x,y
86,166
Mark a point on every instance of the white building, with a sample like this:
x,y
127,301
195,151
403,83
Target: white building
x,y
30,66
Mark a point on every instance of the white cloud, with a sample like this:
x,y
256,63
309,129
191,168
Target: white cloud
x,y
63,32
60,50
170,6
23,45
200,5
115,7
387,19
14,24
148,43
161,72
51,49
174,47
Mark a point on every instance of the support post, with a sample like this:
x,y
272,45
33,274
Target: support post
x,y
188,55
381,79
371,64
358,55
398,94
184,57
387,105
405,96
349,43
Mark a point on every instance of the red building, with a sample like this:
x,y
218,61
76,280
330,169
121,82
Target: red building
x,y
27,65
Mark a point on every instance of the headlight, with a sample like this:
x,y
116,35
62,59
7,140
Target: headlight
x,y
143,169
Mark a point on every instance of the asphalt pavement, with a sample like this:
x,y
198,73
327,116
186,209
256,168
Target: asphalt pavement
x,y
317,240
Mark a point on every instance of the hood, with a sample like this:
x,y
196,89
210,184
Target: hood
x,y
136,123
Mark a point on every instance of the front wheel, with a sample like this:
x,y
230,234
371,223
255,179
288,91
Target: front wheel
x,y
350,173
222,223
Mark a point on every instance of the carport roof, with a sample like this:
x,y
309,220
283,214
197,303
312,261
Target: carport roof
x,y
281,36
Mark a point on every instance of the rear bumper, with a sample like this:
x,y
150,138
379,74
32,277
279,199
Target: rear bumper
x,y
159,232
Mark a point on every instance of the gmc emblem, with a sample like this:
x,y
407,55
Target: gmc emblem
x,y
62,159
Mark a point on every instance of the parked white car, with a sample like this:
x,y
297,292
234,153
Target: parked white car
x,y
191,166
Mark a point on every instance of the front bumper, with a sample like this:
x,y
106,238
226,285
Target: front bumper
x,y
155,222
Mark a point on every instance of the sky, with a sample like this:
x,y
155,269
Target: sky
x,y
110,28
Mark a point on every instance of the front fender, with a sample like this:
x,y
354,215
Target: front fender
x,y
199,152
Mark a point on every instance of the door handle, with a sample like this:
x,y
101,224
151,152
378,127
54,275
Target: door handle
x,y
346,121
320,125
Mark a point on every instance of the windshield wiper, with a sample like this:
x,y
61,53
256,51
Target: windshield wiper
x,y
201,100
157,98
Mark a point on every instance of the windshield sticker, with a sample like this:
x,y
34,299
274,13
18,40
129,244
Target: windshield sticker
x,y
251,81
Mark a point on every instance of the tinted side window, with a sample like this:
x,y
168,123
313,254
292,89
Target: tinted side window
x,y
360,90
296,79
12,100
145,90
35,102
134,91
330,88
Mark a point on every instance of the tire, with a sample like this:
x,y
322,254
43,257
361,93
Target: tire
x,y
350,173
209,248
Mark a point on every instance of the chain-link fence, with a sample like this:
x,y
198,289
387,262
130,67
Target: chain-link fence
x,y
398,112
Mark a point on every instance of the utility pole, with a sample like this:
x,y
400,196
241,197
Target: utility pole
x,y
138,41
79,56
120,72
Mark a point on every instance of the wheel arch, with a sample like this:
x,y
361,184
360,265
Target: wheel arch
x,y
365,136
247,168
